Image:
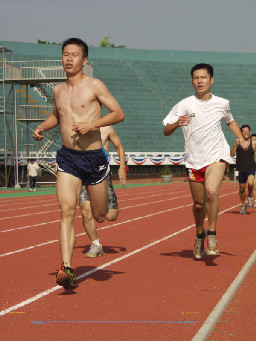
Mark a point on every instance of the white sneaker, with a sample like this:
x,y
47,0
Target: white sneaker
x,y
95,251
34,190
250,202
30,189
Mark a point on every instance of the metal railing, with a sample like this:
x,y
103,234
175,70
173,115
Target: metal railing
x,y
38,69
33,112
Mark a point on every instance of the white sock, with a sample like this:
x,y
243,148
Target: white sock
x,y
96,242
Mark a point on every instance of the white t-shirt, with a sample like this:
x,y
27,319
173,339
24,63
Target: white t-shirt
x,y
204,138
32,169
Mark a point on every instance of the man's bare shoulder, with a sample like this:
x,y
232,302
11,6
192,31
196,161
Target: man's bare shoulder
x,y
58,87
94,82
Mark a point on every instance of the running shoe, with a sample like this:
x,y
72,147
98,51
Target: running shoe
x,y
95,251
243,210
34,189
212,246
250,202
30,189
199,247
66,278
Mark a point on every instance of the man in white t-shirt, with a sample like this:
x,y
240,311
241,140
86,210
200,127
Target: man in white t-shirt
x,y
32,174
206,151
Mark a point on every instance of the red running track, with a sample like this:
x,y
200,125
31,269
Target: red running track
x,y
147,286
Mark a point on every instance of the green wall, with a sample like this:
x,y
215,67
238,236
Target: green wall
x,y
148,84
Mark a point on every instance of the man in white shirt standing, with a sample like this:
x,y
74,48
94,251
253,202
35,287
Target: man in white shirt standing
x,y
32,174
206,151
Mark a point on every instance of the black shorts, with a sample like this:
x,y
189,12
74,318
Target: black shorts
x,y
243,176
90,166
112,199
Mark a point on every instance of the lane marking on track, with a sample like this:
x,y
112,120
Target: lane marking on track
x,y
153,322
106,227
119,200
205,331
122,208
86,274
102,228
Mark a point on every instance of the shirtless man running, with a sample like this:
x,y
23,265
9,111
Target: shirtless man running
x,y
81,160
108,135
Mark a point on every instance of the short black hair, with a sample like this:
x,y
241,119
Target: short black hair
x,y
245,126
76,41
208,67
253,135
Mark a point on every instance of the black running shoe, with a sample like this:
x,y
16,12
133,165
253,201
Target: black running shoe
x,y
66,278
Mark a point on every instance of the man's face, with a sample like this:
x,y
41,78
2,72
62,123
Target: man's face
x,y
246,133
202,82
72,59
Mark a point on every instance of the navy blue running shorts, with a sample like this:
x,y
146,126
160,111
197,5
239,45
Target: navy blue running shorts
x,y
91,166
243,176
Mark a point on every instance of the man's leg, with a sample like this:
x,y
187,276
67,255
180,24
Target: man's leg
x,y
213,178
68,189
98,199
254,190
242,194
250,182
112,202
30,182
88,220
198,195
91,230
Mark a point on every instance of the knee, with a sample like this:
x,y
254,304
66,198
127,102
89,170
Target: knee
x,y
68,211
242,190
112,214
211,195
198,206
99,218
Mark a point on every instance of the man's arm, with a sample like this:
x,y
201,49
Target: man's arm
x,y
234,128
52,121
253,144
114,116
115,140
234,149
171,128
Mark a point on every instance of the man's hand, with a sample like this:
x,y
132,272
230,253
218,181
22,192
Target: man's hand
x,y
81,127
122,175
37,134
183,121
244,144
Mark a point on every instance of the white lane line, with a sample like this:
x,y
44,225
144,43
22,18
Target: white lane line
x,y
29,214
205,331
102,228
106,227
122,208
29,207
86,274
